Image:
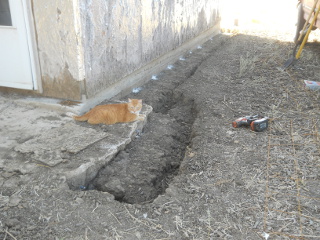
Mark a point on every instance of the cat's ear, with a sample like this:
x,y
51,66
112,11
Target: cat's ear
x,y
129,100
140,101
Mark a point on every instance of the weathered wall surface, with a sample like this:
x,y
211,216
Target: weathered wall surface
x,y
121,36
87,46
58,30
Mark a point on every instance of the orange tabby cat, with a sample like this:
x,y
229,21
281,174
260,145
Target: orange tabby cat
x,y
113,113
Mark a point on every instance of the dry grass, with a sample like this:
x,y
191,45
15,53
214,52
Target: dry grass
x,y
280,196
247,64
293,163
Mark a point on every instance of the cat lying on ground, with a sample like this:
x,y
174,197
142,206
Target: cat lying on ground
x,y
113,113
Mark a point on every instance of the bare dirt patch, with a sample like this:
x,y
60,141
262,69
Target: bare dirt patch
x,y
223,183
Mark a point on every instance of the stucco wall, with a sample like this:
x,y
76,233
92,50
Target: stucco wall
x,y
121,36
86,46
60,49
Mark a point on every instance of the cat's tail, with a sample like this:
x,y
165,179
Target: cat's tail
x,y
82,118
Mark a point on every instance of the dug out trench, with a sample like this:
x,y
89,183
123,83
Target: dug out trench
x,y
143,170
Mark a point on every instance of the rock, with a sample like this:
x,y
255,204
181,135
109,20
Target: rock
x,y
79,200
27,168
12,222
138,235
8,174
48,147
172,191
4,200
230,132
115,188
14,201
12,182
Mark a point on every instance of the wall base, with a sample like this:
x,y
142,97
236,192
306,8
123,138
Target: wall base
x,y
143,75
125,85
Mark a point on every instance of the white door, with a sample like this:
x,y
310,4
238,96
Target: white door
x,y
15,52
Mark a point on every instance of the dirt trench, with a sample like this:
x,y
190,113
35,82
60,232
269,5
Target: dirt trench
x,y
143,170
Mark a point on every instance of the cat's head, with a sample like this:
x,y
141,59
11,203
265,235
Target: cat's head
x,y
134,105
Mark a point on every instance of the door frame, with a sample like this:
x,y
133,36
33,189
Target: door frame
x,y
27,7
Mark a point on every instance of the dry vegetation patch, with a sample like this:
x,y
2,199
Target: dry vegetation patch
x,y
231,184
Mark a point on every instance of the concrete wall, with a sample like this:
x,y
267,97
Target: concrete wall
x,y
121,36
60,49
87,46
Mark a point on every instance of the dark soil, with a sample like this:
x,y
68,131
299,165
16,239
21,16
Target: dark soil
x,y
144,169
